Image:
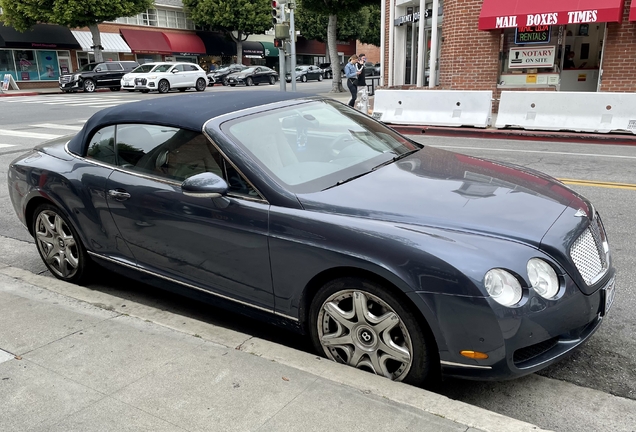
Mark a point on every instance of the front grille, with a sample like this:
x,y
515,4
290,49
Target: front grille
x,y
65,79
528,353
589,252
141,81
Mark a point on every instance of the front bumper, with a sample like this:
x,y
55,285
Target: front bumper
x,y
71,85
139,84
519,341
234,81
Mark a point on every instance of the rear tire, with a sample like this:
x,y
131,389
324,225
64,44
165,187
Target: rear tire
x,y
374,332
59,245
304,78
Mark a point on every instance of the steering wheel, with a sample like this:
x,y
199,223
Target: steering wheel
x,y
339,144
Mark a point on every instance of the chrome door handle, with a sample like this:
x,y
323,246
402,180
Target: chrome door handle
x,y
119,195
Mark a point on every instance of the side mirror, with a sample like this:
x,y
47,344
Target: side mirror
x,y
204,185
174,71
99,69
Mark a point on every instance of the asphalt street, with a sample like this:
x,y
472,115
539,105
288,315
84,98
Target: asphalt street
x,y
564,397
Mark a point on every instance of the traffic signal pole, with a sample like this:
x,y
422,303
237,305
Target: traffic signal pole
x,y
292,34
281,53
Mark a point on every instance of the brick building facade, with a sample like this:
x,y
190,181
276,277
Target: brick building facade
x,y
591,50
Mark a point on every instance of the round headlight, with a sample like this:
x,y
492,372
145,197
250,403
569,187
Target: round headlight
x,y
503,287
543,278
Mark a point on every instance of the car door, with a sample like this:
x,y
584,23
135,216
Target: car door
x,y
177,77
194,72
259,75
114,74
220,245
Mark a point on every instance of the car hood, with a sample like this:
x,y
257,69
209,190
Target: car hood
x,y
438,188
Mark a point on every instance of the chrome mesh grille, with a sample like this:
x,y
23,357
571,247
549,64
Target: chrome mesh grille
x,y
588,252
64,79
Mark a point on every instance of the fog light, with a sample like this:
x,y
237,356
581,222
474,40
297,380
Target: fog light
x,y
474,355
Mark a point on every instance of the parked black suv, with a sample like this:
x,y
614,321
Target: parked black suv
x,y
96,75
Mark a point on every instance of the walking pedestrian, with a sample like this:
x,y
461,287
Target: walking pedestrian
x,y
352,73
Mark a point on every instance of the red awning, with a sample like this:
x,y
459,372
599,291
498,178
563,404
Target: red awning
x,y
632,11
496,14
184,44
141,41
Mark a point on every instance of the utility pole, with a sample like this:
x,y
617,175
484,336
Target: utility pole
x,y
292,34
278,18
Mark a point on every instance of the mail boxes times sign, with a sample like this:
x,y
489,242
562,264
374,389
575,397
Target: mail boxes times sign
x,y
536,57
554,18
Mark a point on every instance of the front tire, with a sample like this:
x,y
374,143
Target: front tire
x,y
89,85
249,81
360,323
59,245
163,86
304,78
272,80
200,85
319,77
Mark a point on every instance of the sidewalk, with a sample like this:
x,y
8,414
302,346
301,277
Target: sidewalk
x,y
72,359
463,132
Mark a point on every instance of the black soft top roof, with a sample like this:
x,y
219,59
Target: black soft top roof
x,y
183,111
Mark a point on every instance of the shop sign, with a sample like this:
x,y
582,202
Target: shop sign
x,y
24,76
547,19
5,82
539,57
533,35
412,17
43,45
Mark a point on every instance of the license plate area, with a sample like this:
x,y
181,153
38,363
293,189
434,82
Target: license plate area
x,y
609,293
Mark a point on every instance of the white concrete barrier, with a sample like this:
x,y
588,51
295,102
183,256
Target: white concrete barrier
x,y
433,107
568,111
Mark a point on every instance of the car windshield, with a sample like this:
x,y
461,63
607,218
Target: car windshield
x,y
143,68
317,145
228,67
302,68
162,68
88,68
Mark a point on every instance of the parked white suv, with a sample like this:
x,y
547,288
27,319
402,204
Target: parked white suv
x,y
164,76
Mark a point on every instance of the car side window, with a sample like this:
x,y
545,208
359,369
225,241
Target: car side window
x,y
171,153
102,146
113,67
180,68
193,68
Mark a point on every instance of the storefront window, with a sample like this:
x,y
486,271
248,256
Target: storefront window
x,y
27,65
531,57
7,64
147,58
47,66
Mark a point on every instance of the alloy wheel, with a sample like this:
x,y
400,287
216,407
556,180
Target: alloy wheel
x,y
249,81
56,244
164,86
89,86
361,330
200,85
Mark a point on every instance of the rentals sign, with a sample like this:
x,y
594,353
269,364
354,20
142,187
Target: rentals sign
x,y
539,57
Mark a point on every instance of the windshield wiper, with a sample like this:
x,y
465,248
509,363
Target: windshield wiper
x,y
395,159
390,161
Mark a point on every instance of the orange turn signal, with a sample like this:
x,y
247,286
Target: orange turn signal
x,y
474,355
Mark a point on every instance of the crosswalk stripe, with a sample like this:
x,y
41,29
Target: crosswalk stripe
x,y
6,145
57,126
23,134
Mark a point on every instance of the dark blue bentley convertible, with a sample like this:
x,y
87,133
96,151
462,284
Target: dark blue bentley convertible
x,y
394,258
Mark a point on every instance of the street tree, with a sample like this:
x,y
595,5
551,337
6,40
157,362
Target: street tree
x,y
372,16
334,9
23,14
238,18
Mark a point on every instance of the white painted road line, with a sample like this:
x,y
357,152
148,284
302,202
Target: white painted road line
x,y
22,134
57,126
6,145
534,151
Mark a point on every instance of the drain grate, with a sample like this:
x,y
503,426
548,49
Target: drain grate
x,y
5,356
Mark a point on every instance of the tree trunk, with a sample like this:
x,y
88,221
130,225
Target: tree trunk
x,y
336,84
97,43
238,40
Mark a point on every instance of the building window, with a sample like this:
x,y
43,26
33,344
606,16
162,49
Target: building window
x,y
160,18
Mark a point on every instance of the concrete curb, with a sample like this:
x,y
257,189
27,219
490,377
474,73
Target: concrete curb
x,y
51,91
517,134
431,403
